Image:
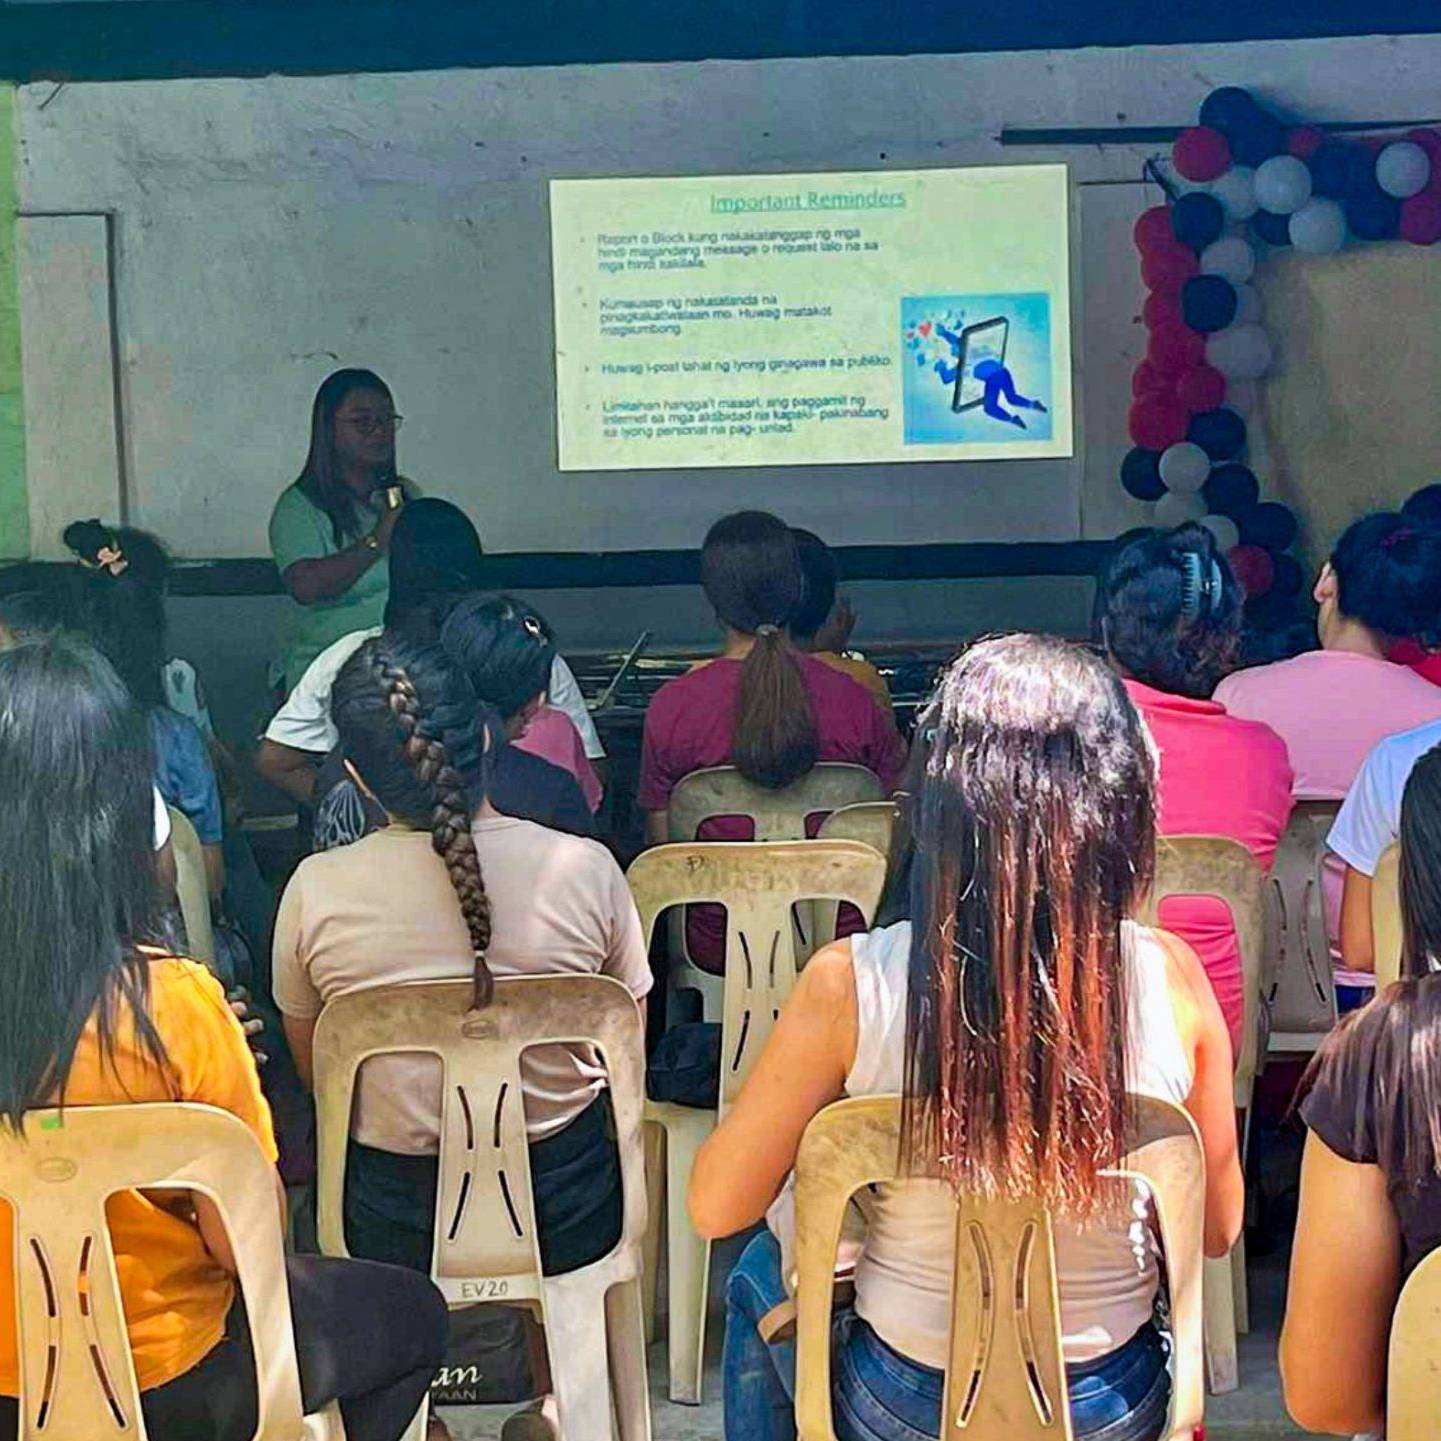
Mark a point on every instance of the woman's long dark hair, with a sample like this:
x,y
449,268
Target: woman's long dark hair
x,y
1388,1054
78,884
502,648
1388,576
1035,839
320,479
115,597
410,725
1168,609
751,574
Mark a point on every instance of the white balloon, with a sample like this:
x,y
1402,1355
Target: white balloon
x,y
1403,169
1240,352
1318,227
1282,184
1184,467
1236,190
1241,396
1176,507
1229,257
1248,306
1226,531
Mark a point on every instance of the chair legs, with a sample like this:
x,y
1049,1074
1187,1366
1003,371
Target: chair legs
x,y
625,1327
1219,1324
687,1255
653,1135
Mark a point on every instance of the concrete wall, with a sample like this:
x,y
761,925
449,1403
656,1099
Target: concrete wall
x,y
14,514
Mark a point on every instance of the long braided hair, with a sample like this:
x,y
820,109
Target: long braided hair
x,y
410,724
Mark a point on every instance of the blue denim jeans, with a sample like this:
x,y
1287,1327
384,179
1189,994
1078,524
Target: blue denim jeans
x,y
880,1395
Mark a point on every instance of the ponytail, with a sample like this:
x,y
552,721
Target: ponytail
x,y
774,738
426,752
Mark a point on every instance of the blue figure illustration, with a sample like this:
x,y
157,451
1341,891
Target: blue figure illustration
x,y
998,381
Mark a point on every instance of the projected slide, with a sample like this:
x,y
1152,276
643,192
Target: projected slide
x,y
809,319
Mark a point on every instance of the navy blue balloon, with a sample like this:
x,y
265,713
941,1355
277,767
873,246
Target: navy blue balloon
x,y
1231,490
1257,139
1270,525
1220,433
1208,302
1229,109
1371,214
1197,219
1141,474
1272,228
1289,577
1339,170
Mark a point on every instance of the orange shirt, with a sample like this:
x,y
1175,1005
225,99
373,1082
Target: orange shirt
x,y
861,671
175,1294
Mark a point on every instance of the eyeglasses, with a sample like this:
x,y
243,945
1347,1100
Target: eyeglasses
x,y
372,424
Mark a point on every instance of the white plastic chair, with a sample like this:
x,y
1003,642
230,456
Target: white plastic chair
x,y
873,823
1298,981
77,1377
759,883
1413,1382
1223,868
192,890
486,1246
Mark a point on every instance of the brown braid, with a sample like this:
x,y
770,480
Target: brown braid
x,y
450,817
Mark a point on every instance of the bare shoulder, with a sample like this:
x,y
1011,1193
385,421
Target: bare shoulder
x,y
1192,997
827,984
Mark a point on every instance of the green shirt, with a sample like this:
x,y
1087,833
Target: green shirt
x,y
300,530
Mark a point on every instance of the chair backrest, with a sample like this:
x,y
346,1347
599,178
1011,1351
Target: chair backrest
x,y
758,883
77,1377
1006,1378
1223,868
485,1230
192,889
1413,1385
1297,982
776,815
1386,916
871,822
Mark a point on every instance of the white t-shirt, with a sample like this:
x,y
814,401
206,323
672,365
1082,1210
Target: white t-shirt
x,y
303,723
162,821
1370,816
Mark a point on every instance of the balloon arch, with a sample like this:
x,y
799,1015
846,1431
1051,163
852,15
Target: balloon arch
x,y
1246,183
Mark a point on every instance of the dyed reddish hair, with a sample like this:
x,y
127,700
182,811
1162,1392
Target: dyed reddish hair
x,y
1035,839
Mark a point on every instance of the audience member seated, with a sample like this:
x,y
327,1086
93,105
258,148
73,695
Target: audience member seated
x,y
1371,1178
1036,840
435,559
452,888
762,706
330,530
1332,705
98,1013
1422,507
821,624
115,597
1168,613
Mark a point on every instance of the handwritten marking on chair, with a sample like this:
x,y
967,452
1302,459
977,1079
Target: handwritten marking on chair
x,y
484,1290
1045,1411
52,1344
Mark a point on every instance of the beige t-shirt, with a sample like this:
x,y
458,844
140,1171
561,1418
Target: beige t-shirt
x,y
382,911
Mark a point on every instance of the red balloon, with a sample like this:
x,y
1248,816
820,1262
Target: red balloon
x,y
1304,141
1201,389
1253,568
1161,308
1201,153
1153,228
1158,421
1169,268
1176,348
1421,218
1150,379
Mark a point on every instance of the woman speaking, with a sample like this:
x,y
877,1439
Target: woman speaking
x,y
330,530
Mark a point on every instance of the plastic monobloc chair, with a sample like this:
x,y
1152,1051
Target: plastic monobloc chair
x,y
758,882
873,823
775,815
1413,1382
485,1231
1222,868
77,1378
1006,1378
192,890
1386,916
1298,980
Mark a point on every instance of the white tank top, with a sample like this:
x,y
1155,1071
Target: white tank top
x,y
1107,1273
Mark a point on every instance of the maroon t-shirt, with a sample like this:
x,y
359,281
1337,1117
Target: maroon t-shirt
x,y
688,728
